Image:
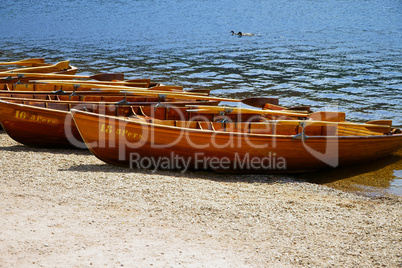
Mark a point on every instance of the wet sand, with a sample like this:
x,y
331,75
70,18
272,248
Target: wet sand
x,y
376,178
67,208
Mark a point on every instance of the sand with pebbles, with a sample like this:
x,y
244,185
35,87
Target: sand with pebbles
x,y
65,208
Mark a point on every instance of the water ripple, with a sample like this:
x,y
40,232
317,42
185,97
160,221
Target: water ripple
x,y
352,56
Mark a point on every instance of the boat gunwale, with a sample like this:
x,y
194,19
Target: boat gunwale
x,y
62,101
33,107
240,134
139,121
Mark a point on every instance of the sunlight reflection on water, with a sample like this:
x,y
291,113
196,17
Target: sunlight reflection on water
x,y
398,173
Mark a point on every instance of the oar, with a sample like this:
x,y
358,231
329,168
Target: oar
x,y
176,95
272,106
387,122
326,123
142,92
241,109
99,77
256,103
93,85
184,95
206,91
356,131
42,69
133,103
380,122
26,62
123,85
87,84
215,109
170,88
141,83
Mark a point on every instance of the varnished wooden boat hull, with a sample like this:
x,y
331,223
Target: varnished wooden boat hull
x,y
13,86
42,123
135,143
93,97
39,127
71,70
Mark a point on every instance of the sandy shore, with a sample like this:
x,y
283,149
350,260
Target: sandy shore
x,y
65,208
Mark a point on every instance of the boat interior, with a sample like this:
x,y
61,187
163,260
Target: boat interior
x,y
243,123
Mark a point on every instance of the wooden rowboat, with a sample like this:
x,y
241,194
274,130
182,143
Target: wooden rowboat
x,y
94,96
48,123
278,146
31,90
25,78
33,62
62,67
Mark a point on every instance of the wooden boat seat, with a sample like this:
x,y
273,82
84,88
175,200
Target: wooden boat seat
x,y
160,113
59,106
136,99
22,96
68,98
42,97
113,98
102,109
75,97
45,87
22,87
124,111
92,98
36,104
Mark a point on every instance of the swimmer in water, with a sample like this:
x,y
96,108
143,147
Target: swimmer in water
x,y
242,34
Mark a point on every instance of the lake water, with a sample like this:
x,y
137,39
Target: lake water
x,y
338,53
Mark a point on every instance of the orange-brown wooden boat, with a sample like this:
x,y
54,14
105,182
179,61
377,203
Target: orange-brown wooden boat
x,y
140,87
32,62
279,146
48,123
163,93
96,97
62,67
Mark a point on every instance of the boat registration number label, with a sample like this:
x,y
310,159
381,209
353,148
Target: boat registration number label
x,y
109,129
34,117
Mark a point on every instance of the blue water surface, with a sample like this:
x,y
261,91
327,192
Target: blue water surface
x,y
342,53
